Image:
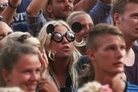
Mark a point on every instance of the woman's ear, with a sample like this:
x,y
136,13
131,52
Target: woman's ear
x,y
5,75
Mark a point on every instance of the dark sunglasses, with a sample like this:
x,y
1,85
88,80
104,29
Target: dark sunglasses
x,y
57,36
2,6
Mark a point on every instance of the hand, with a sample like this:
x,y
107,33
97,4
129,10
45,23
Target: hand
x,y
44,62
47,85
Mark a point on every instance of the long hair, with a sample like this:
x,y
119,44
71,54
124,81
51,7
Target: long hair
x,y
45,40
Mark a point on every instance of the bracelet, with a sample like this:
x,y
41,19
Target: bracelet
x,y
14,7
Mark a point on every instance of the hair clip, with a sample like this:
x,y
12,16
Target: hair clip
x,y
76,27
22,38
50,29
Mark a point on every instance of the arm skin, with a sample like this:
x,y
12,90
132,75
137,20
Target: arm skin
x,y
85,5
9,12
108,1
35,6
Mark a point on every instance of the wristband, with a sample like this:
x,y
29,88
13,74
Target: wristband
x,y
14,7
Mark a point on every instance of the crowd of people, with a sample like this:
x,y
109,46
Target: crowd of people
x,y
68,45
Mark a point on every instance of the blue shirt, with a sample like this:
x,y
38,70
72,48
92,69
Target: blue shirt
x,y
101,13
131,87
20,23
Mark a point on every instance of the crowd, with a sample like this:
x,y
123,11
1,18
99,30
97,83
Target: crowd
x,y
68,45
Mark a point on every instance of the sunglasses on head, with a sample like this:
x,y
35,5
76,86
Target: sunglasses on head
x,y
58,37
2,6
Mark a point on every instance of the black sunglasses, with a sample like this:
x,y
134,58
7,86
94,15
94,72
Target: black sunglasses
x,y
58,37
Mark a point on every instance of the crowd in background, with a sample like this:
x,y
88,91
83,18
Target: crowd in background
x,y
68,45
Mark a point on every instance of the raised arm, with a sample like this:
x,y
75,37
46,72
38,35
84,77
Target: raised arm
x,y
101,12
10,10
35,7
85,5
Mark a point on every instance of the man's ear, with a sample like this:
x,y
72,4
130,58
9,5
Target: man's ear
x,y
90,54
116,18
5,75
49,8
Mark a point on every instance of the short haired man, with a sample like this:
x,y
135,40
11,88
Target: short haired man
x,y
125,16
106,49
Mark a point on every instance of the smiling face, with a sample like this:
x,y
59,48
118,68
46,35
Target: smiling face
x,y
86,23
26,73
64,48
108,58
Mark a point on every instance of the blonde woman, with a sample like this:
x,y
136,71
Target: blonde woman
x,y
80,22
27,39
57,39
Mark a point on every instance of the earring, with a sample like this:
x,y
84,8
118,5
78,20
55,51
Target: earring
x,y
80,44
51,55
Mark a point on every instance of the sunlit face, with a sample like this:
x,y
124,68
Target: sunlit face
x,y
109,56
4,30
86,22
61,8
64,48
128,22
26,73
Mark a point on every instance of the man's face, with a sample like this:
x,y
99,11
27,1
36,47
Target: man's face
x,y
128,22
60,9
108,58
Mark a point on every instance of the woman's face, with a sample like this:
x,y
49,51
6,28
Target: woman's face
x,y
63,48
86,23
25,74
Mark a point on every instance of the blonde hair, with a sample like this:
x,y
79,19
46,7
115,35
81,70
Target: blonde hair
x,y
20,37
71,19
10,89
73,15
94,87
45,40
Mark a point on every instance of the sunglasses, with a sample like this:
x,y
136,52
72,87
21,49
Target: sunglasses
x,y
2,6
58,37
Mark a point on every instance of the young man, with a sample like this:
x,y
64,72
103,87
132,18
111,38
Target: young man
x,y
106,49
125,15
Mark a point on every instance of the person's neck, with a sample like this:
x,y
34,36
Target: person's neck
x,y
60,65
129,44
115,82
130,57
